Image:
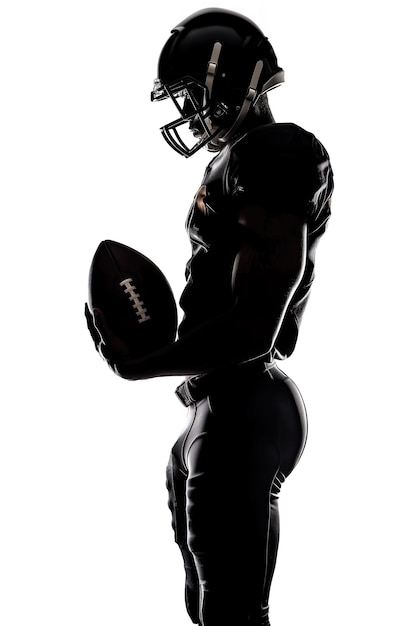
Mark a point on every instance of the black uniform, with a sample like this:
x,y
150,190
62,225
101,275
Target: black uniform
x,y
247,423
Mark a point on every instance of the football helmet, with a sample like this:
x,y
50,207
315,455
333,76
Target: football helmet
x,y
214,66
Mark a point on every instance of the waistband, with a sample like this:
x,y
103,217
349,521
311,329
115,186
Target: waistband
x,y
197,388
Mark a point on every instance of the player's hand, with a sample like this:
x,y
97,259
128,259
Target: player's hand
x,y
110,347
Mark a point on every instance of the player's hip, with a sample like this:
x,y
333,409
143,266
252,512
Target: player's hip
x,y
256,407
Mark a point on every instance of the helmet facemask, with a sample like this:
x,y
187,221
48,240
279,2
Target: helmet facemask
x,y
194,128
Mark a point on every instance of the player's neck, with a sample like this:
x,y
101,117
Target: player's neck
x,y
257,117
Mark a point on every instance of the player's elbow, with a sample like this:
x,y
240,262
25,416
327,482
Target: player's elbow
x,y
256,321
250,337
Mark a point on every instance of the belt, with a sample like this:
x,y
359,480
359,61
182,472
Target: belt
x,y
197,388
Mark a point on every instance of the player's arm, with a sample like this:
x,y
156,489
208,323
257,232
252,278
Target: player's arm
x,y
266,272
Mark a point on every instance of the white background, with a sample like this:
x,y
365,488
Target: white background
x,y
85,529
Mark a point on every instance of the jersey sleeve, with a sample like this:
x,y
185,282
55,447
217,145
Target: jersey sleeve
x,y
282,168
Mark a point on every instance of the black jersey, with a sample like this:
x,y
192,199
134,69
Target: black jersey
x,y
279,167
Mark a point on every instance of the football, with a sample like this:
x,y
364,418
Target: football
x,y
134,296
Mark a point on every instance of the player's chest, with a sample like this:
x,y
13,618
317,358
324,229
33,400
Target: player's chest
x,y
212,219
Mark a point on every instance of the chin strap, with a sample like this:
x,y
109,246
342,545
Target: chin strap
x,y
212,67
251,95
211,73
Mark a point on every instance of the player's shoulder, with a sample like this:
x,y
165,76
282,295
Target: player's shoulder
x,y
279,165
278,140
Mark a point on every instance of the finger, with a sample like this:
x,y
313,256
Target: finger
x,y
100,325
91,326
113,345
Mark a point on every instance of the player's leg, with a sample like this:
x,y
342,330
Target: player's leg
x,y
236,464
277,409
214,538
176,485
231,473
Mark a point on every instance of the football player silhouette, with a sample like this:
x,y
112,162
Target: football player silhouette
x,y
254,225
